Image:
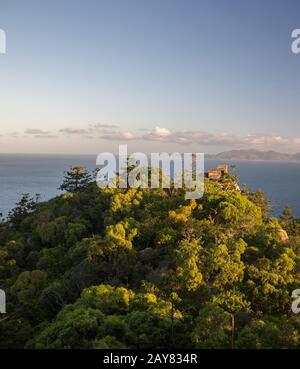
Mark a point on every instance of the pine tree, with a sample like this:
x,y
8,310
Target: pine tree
x,y
76,179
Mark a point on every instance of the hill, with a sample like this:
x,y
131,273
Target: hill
x,y
254,155
145,268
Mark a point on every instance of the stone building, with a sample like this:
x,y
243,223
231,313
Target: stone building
x,y
223,168
215,174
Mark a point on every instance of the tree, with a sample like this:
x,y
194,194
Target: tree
x,y
187,271
27,289
24,207
73,328
212,328
222,266
232,301
105,315
259,199
287,217
7,266
270,333
76,179
143,268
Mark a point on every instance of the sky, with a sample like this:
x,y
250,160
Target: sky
x,y
83,76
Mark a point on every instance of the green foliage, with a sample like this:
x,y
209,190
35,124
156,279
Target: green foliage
x,y
25,206
106,314
27,290
76,179
212,328
270,333
73,328
187,260
141,268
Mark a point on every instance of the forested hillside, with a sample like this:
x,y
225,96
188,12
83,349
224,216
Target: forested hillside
x,y
145,268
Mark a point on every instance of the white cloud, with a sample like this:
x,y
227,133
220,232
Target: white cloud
x,y
164,135
119,135
158,134
161,132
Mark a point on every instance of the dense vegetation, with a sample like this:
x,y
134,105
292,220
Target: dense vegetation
x,y
144,268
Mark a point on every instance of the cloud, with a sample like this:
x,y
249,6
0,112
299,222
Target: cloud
x,y
102,131
296,140
187,137
92,129
104,128
119,135
14,135
100,125
158,133
74,131
46,136
35,131
111,132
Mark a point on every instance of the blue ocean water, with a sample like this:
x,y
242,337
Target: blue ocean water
x,y
43,174
34,174
280,181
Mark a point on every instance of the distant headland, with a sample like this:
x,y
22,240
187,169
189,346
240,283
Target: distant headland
x,y
254,155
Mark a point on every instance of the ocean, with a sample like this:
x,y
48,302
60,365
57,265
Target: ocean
x,y
43,174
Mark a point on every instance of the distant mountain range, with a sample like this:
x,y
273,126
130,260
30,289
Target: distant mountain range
x,y
254,155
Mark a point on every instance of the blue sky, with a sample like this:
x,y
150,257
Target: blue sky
x,y
207,75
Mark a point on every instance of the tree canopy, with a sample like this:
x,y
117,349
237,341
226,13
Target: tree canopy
x,y
146,268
